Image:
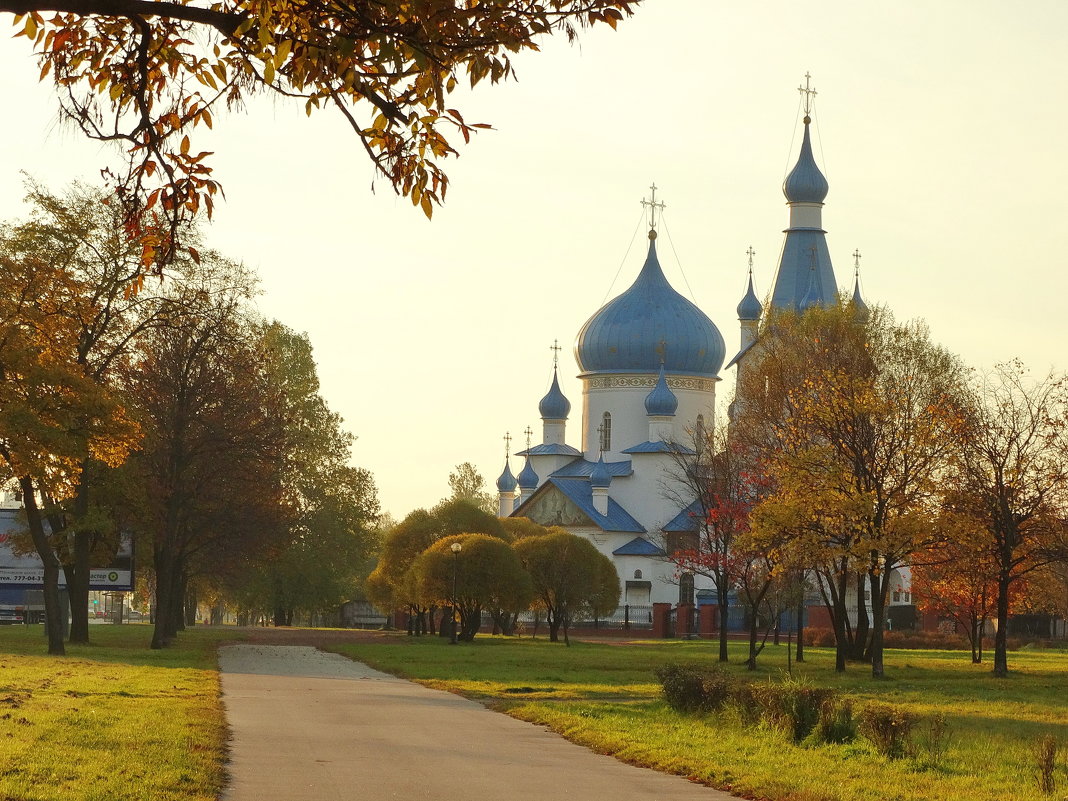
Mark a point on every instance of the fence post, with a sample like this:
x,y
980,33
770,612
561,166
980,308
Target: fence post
x,y
626,617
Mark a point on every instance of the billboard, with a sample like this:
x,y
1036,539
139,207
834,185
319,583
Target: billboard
x,y
113,573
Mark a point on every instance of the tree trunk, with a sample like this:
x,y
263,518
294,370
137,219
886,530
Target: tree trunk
x,y
78,588
800,655
750,663
53,608
879,587
164,564
78,571
554,627
191,607
721,592
860,641
1001,650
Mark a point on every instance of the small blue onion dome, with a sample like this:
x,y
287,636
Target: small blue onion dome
x,y
507,482
750,308
805,183
554,406
661,402
600,478
625,335
528,479
861,313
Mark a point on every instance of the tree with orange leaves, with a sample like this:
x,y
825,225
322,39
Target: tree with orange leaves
x,y
53,417
145,74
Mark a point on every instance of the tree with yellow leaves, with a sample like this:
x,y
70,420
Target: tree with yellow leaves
x,y
854,420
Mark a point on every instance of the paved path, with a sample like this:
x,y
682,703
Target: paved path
x,y
313,726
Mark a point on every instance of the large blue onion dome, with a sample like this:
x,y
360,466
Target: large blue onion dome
x,y
528,479
661,402
631,332
507,482
600,478
554,406
805,183
750,308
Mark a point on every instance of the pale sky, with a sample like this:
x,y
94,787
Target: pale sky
x,y
941,128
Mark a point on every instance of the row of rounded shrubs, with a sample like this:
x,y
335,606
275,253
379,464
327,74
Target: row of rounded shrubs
x,y
809,715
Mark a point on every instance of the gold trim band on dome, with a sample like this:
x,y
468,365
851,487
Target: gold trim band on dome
x,y
639,381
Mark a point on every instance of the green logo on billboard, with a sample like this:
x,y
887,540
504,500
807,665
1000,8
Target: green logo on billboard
x,y
113,576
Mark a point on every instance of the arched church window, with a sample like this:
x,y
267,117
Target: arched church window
x,y
686,588
637,574
606,432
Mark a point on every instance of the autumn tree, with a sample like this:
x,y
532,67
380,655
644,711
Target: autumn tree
x,y
467,484
486,573
711,475
391,586
1011,476
145,75
570,578
212,468
957,580
79,233
53,417
854,417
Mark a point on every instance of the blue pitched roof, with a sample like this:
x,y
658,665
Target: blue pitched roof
x,y
686,520
740,354
639,546
659,447
580,493
551,450
581,468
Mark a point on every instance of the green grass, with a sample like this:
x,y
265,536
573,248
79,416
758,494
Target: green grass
x,y
605,697
111,721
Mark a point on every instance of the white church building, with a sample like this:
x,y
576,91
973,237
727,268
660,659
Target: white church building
x,y
649,361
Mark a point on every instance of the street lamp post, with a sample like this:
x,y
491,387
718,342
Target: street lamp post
x,y
455,547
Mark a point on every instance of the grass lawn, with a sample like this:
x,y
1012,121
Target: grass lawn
x,y
113,720
604,696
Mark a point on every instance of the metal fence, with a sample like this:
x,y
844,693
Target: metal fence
x,y
626,617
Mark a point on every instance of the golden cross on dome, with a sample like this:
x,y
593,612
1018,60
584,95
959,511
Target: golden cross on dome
x,y
529,434
750,253
652,205
856,261
507,444
808,92
556,351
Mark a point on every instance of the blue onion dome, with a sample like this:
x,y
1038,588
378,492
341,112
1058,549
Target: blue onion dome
x,y
750,308
661,402
554,406
600,478
625,335
805,183
528,479
507,482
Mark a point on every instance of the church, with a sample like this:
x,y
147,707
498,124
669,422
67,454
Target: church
x,y
649,361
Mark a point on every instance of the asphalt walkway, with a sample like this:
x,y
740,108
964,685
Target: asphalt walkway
x,y
313,726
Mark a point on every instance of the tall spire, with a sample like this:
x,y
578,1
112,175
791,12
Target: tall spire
x,y
860,308
805,188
